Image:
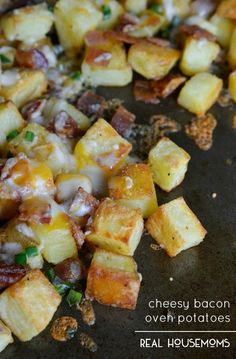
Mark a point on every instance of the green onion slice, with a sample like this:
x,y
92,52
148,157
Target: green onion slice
x,y
76,75
106,12
50,273
73,297
157,8
29,136
11,135
21,258
31,252
4,59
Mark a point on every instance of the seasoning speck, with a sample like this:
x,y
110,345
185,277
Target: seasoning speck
x,y
171,279
214,195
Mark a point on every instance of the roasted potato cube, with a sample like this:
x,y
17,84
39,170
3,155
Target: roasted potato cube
x,y
232,85
116,228
24,178
198,55
105,64
28,305
224,29
44,147
175,227
67,185
5,336
227,8
133,187
148,25
113,280
200,93
112,10
28,24
23,86
101,151
152,61
73,19
168,163
57,237
202,23
232,50
10,120
135,6
55,105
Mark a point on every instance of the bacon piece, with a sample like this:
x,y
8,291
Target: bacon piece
x,y
162,125
122,121
32,110
32,59
77,233
127,22
36,212
150,91
194,31
95,38
10,274
64,125
70,270
83,204
95,56
92,104
200,129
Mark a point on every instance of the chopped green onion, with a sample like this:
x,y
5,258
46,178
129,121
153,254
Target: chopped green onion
x,y
50,273
73,297
12,135
106,12
157,8
21,258
31,252
29,136
61,288
76,75
4,59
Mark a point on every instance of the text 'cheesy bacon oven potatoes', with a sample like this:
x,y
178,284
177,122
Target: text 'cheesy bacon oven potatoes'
x,y
71,187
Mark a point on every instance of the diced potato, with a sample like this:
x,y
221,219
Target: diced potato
x,y
135,6
24,178
23,86
180,8
9,53
10,120
113,280
232,50
168,163
133,187
28,24
198,55
227,8
5,336
116,228
224,29
232,85
101,151
45,147
55,105
106,64
200,93
67,185
175,227
111,19
28,305
152,61
57,237
148,25
202,23
73,19
19,232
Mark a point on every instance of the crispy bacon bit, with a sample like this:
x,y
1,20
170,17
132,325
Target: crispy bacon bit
x,y
77,233
124,37
200,129
143,91
35,212
95,56
87,312
32,59
70,270
163,126
87,342
64,328
83,204
10,274
122,121
149,91
64,125
95,38
127,22
160,42
91,104
32,110
194,31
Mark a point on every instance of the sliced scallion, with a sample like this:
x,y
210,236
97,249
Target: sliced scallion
x,y
11,135
21,258
29,136
106,12
73,297
31,252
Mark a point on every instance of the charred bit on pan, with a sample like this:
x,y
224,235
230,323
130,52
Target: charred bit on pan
x,y
64,328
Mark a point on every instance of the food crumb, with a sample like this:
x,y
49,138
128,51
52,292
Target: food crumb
x,y
214,195
229,161
64,328
87,342
155,247
171,279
